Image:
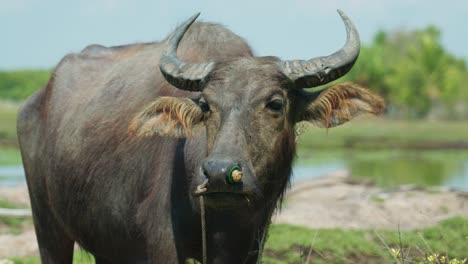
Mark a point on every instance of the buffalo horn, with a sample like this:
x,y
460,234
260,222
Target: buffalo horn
x,y
322,70
186,76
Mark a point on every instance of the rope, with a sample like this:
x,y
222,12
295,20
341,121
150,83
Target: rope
x,y
203,226
201,189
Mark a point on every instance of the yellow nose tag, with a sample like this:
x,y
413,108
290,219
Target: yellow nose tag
x,y
235,175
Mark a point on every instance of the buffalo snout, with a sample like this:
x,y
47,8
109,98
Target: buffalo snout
x,y
219,172
227,176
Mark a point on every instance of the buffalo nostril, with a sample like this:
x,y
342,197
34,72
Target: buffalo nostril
x,y
205,173
210,169
221,172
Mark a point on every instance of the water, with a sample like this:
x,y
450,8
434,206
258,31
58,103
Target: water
x,y
389,168
386,168
11,175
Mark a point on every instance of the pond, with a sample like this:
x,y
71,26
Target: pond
x,y
387,168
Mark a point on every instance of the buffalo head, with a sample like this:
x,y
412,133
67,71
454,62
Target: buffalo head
x,y
248,107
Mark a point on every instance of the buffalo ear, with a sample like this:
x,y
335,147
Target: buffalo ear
x,y
338,104
168,116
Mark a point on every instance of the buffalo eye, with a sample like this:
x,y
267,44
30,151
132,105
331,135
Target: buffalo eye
x,y
275,105
203,106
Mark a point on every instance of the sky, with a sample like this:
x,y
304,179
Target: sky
x,y
38,33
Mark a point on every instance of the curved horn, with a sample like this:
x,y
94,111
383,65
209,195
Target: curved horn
x,y
322,70
186,76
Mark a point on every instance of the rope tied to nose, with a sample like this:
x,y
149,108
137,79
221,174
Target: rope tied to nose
x,y
201,189
234,176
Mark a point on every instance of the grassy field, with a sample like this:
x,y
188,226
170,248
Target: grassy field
x,y
294,244
374,132
12,225
8,112
9,156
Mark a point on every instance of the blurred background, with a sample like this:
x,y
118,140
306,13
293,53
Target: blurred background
x,y
414,54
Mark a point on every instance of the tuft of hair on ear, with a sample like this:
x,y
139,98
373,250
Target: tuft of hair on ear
x,y
167,116
340,103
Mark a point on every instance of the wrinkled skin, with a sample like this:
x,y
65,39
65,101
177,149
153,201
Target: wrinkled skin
x,y
108,164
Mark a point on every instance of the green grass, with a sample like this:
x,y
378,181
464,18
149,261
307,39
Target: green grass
x,y
292,244
80,257
286,243
9,153
8,204
10,156
8,113
373,132
14,225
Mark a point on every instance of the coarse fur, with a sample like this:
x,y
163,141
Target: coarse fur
x,y
110,163
167,116
340,103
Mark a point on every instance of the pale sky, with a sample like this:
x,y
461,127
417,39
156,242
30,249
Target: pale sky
x,y
37,33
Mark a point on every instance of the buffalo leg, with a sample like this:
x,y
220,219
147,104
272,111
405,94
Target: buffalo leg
x,y
54,244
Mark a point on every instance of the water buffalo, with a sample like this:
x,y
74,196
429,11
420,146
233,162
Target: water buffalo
x,y
117,142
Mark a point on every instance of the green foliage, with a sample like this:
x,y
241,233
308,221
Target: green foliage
x,y
414,73
18,85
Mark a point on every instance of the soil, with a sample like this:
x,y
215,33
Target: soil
x,y
339,201
333,201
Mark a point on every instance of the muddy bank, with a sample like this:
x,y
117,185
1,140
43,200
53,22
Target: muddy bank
x,y
333,201
338,201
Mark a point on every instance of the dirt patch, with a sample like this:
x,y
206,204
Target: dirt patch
x,y
20,245
17,195
340,201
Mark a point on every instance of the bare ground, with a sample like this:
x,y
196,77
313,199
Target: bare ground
x,y
339,201
332,201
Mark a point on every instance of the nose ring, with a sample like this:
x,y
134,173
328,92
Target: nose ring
x,y
234,175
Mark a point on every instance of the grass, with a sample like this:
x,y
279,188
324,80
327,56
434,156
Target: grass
x,y
294,244
10,156
9,153
373,132
80,257
7,204
8,112
12,225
